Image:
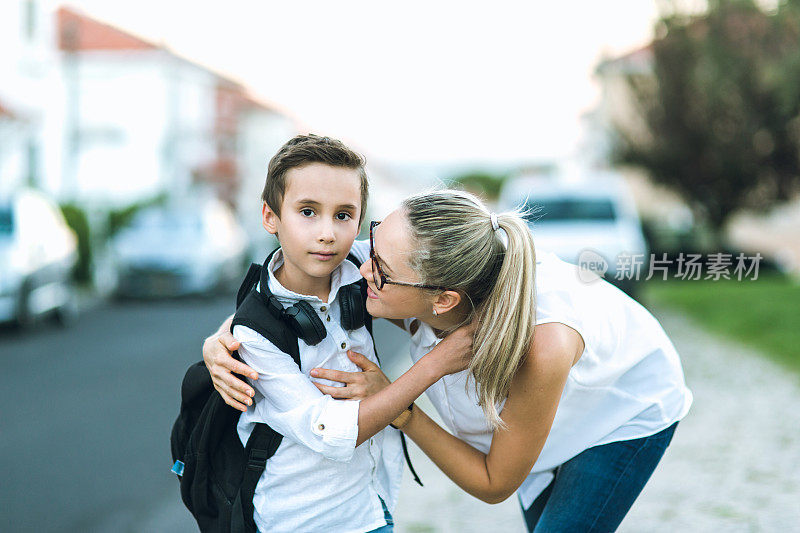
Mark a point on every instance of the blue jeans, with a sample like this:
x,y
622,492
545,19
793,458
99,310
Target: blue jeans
x,y
594,490
389,527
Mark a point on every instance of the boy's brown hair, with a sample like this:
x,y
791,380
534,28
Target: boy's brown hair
x,y
302,150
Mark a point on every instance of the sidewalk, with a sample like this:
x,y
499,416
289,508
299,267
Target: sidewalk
x,y
734,463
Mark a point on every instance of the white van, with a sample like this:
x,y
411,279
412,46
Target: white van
x,y
589,220
37,254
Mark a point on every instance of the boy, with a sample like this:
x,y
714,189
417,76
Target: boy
x,y
318,480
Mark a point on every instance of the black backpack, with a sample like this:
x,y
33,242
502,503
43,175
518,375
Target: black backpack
x,y
218,475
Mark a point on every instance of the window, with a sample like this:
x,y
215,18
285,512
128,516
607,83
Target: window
x,y
32,155
571,210
29,19
6,221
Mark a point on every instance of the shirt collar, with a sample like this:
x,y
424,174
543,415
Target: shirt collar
x,y
425,336
344,274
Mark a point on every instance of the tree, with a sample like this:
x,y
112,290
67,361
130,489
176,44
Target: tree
x,y
486,184
721,110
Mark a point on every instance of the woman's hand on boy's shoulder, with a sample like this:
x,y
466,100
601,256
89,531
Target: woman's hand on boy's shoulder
x,y
357,385
217,355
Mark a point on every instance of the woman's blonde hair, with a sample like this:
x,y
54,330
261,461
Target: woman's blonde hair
x,y
458,248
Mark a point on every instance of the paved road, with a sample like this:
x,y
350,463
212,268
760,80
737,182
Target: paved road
x,y
87,412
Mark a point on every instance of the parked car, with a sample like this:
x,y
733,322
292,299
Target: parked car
x,y
194,248
589,220
37,254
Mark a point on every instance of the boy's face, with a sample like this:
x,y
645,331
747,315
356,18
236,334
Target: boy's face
x,y
318,222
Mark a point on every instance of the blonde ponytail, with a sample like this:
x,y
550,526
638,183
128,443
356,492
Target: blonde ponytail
x,y
459,248
506,319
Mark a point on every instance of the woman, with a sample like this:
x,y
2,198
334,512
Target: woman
x,y
572,390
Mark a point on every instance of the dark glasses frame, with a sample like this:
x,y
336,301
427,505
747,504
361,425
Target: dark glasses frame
x,y
379,278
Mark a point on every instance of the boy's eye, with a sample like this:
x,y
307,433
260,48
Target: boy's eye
x,y
343,216
307,212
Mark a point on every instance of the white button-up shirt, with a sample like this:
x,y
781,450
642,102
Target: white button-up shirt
x,y
317,480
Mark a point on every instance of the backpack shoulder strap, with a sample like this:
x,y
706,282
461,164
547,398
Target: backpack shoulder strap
x,y
254,314
262,444
363,286
250,280
258,312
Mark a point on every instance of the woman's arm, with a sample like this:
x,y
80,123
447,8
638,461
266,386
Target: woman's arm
x,y
449,356
217,350
528,414
291,405
378,408
383,402
221,365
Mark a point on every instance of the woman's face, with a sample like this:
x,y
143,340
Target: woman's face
x,y
393,245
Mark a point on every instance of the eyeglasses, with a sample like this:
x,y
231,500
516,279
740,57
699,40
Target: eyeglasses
x,y
378,276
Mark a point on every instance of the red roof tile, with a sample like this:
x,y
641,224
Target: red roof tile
x,y
6,112
78,32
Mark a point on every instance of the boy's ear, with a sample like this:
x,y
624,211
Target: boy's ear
x,y
446,301
269,218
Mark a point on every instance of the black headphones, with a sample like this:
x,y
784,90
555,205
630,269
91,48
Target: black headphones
x,y
302,317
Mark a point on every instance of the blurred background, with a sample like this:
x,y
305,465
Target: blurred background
x,y
134,140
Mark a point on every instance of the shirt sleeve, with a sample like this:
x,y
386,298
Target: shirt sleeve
x,y
288,401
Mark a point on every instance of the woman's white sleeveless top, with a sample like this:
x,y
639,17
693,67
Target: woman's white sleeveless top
x,y
627,384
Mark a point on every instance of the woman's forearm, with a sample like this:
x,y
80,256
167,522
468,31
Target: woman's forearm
x,y
380,409
463,464
447,357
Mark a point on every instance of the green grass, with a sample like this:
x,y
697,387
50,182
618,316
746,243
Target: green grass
x,y
763,314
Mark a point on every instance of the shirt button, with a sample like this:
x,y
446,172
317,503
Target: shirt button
x,y
321,427
344,345
323,308
328,318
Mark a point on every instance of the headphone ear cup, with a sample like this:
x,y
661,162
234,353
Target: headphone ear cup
x,y
353,306
346,307
305,323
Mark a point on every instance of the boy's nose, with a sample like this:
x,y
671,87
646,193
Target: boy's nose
x,y
326,233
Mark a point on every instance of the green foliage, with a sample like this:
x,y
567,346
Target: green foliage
x,y
485,184
77,219
119,218
763,313
79,223
721,109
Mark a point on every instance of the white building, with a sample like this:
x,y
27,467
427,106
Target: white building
x,y
92,113
29,137
145,121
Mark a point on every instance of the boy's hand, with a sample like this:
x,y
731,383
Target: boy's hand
x,y
357,385
221,365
